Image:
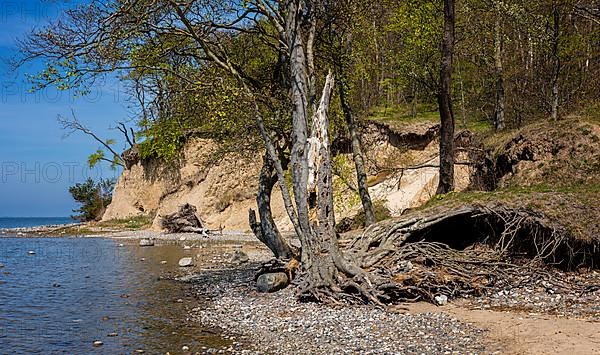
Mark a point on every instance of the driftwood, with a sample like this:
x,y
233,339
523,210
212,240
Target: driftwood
x,y
186,220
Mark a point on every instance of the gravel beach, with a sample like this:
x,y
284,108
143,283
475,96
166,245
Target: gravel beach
x,y
279,324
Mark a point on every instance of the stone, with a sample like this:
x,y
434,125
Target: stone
x,y
441,300
185,348
272,282
1,265
31,252
113,335
146,242
185,262
239,257
98,343
164,262
187,247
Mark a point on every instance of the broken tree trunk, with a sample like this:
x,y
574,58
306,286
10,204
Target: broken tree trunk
x,y
326,271
186,220
266,230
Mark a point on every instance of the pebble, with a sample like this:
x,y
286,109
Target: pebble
x,y
186,262
164,262
146,242
546,297
279,323
98,343
1,265
185,348
31,252
441,300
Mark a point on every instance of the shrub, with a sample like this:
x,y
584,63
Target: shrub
x,y
93,198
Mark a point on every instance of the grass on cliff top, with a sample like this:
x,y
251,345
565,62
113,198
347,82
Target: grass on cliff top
x,y
399,116
576,207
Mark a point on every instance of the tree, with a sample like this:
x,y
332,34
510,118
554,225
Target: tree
x,y
499,109
93,197
555,101
341,32
446,183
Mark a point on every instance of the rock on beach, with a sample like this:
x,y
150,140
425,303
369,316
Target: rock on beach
x,y
186,262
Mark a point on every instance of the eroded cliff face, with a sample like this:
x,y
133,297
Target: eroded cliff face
x,y
223,189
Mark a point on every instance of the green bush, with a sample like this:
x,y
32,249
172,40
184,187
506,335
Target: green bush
x,y
93,198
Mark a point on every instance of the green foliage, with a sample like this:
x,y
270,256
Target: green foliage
x,y
358,221
419,26
163,139
93,197
343,168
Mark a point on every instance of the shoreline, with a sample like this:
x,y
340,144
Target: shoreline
x,y
252,322
56,231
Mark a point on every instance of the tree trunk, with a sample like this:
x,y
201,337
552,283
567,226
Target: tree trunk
x,y
324,271
357,154
556,56
266,230
446,183
415,101
300,106
321,256
499,121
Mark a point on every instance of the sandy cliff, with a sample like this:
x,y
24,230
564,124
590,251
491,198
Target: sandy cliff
x,y
223,189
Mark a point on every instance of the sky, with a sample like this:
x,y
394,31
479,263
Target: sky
x,y
37,163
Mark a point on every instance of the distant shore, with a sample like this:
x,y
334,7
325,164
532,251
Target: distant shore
x,y
71,230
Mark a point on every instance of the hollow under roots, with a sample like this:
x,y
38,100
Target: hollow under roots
x,y
453,253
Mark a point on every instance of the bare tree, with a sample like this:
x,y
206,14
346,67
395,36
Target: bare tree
x,y
72,125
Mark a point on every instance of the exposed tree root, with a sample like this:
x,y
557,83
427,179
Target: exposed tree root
x,y
453,253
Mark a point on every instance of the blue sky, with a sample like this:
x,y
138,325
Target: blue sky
x,y
38,164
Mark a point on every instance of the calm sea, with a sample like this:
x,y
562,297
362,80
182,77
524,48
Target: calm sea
x,y
74,291
19,222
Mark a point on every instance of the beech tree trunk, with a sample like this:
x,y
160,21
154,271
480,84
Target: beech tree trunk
x,y
499,120
357,154
446,183
300,107
266,230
